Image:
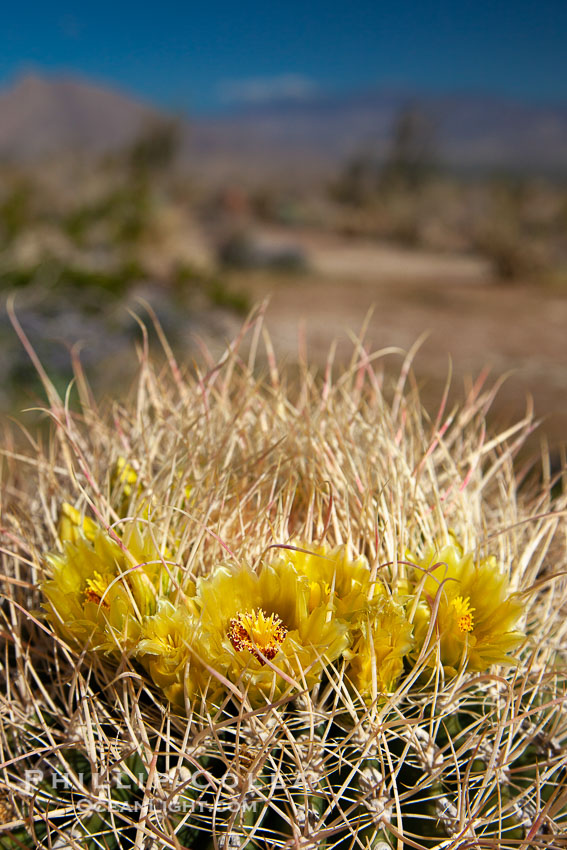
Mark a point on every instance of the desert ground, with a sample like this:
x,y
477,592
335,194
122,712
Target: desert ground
x,y
468,323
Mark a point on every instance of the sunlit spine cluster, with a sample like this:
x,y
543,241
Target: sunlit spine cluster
x,y
286,612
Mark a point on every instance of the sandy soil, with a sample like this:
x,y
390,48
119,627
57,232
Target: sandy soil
x,y
470,319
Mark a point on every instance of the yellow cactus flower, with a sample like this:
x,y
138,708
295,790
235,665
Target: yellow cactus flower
x,y
476,613
124,476
154,571
170,650
99,590
126,482
73,524
127,489
334,577
260,631
378,651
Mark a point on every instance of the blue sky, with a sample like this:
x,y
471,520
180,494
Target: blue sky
x,y
203,56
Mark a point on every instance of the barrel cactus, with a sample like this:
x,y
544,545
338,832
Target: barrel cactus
x,y
251,607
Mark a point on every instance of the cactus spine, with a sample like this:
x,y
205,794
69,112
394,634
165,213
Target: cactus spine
x,y
270,613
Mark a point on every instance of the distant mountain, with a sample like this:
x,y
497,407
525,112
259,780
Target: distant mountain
x,y
40,116
467,131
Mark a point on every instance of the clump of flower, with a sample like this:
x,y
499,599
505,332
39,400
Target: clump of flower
x,y
273,631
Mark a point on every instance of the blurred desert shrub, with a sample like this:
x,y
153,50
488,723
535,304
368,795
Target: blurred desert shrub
x,y
392,186
518,222
15,208
411,160
213,285
241,250
156,148
407,165
522,231
114,282
512,258
124,213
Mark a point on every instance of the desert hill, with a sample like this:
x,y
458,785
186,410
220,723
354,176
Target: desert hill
x,y
42,115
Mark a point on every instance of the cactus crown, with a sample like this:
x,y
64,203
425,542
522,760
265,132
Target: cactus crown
x,y
264,613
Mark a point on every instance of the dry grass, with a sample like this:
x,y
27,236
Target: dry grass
x,y
471,761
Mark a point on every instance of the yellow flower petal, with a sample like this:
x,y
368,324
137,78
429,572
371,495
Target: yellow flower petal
x,y
334,577
476,613
377,655
170,650
73,524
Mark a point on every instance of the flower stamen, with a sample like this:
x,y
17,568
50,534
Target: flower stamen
x,y
95,589
464,613
260,634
